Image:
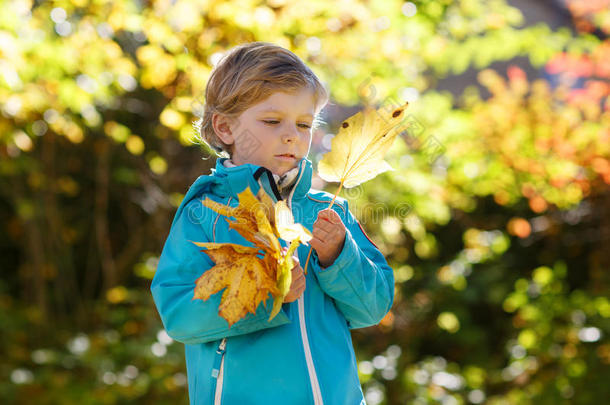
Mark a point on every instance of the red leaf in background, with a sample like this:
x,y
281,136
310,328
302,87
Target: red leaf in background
x,y
516,73
556,64
576,65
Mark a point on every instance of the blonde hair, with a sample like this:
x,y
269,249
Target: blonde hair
x,y
248,74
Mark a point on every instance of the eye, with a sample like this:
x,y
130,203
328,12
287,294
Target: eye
x,y
305,126
271,122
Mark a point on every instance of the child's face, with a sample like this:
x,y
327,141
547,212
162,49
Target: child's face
x,y
276,132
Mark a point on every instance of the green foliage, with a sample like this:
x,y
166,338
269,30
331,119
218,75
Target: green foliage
x,y
126,358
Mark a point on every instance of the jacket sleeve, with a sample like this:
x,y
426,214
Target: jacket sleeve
x,y
360,280
189,320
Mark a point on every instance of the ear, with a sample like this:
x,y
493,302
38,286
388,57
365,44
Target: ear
x,y
222,127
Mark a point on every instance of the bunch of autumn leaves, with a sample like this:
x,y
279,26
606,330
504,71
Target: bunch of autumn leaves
x,y
250,274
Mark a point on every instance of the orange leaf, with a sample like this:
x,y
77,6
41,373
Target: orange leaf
x,y
246,278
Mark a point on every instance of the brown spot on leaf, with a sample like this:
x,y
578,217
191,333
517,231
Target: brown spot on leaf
x,y
396,113
345,125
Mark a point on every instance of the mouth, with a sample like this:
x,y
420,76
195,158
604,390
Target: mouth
x,y
286,156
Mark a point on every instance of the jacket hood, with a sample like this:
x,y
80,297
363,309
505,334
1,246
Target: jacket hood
x,y
230,181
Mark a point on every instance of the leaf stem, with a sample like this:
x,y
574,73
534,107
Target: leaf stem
x,y
337,193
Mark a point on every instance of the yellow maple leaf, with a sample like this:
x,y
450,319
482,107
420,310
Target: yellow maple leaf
x,y
248,279
358,149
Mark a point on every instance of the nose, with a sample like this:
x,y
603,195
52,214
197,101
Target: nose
x,y
290,134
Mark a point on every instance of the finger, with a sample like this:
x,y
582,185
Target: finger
x,y
317,244
299,283
319,223
319,236
300,291
334,230
297,271
296,288
330,237
331,226
328,227
329,215
337,239
323,225
336,233
300,275
325,214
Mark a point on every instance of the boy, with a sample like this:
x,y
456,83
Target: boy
x,y
261,102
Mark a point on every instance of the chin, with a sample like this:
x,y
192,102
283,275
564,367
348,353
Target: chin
x,y
281,171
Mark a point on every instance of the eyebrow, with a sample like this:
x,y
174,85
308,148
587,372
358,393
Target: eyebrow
x,y
273,110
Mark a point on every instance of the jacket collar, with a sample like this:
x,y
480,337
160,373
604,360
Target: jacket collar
x,y
229,181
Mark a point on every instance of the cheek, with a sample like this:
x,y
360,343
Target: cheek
x,y
262,136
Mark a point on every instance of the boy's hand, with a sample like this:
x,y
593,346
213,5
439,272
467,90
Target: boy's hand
x,y
328,236
298,282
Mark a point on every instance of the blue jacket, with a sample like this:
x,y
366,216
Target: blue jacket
x,y
305,354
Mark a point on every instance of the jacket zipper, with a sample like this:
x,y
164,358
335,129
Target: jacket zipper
x,y
313,378
218,370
